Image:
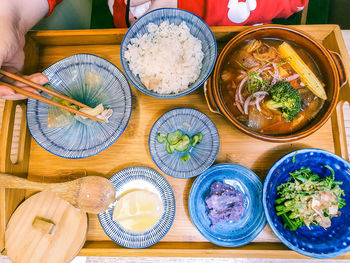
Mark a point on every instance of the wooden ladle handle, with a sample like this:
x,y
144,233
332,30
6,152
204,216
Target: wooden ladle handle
x,y
11,181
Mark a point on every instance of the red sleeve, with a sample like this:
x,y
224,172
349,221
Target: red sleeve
x,y
242,12
119,10
52,5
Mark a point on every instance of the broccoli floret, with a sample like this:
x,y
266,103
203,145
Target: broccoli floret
x,y
286,99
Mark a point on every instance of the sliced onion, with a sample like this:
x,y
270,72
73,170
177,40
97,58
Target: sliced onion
x,y
237,96
257,102
293,77
239,107
246,104
276,75
265,67
260,93
240,90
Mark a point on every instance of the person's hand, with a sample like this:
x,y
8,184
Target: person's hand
x,y
13,28
12,59
154,4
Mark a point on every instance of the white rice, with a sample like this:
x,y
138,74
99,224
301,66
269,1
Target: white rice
x,y
167,59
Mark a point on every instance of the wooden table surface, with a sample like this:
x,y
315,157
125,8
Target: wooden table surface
x,y
4,259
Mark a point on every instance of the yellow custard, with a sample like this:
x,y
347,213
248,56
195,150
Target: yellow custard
x,y
138,211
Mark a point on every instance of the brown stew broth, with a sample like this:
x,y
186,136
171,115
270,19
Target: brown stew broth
x,y
267,121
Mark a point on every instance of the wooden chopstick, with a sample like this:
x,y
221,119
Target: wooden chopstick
x,y
45,100
42,88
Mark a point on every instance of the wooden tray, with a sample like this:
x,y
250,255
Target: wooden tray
x,y
131,149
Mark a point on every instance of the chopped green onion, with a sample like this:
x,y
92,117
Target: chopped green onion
x,y
330,169
293,159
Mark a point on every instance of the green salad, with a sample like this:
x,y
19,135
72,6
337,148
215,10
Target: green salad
x,y
307,199
180,142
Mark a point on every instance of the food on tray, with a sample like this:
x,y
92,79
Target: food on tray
x,y
306,75
307,199
285,98
180,142
99,111
224,204
138,211
167,58
57,117
270,88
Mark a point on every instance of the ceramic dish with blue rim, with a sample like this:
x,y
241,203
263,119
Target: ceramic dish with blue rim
x,y
316,242
201,156
198,28
147,179
91,80
229,233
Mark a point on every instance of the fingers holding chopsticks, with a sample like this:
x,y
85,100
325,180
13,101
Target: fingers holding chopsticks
x,y
9,94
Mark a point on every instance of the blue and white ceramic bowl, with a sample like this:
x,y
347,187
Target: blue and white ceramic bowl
x,y
253,220
317,242
147,179
198,28
80,140
189,121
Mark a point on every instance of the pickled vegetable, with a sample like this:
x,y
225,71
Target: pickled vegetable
x,y
179,142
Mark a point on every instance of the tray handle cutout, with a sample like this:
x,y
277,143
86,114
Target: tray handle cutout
x,y
10,198
340,67
209,99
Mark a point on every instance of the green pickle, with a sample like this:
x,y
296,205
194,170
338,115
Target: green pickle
x,y
179,142
161,138
185,157
175,137
183,144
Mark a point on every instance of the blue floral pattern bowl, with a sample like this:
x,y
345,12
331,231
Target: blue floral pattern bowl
x,y
198,28
81,140
317,242
229,234
202,155
147,179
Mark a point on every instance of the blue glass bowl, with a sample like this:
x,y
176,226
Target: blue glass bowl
x,y
317,242
140,178
80,140
198,28
253,220
203,155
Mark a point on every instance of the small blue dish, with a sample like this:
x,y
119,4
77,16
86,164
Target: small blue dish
x,y
317,242
198,28
203,155
140,178
77,139
253,220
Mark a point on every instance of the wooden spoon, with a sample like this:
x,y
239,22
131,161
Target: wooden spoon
x,y
92,194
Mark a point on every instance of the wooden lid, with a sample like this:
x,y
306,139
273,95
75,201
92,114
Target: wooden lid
x,y
44,229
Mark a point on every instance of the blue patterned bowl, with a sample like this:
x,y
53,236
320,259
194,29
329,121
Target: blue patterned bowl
x,y
140,178
198,28
203,155
253,220
317,242
80,140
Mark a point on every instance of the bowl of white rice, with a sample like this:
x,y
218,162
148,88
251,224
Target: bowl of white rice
x,y
168,53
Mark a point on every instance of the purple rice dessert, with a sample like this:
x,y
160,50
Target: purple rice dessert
x,y
224,204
